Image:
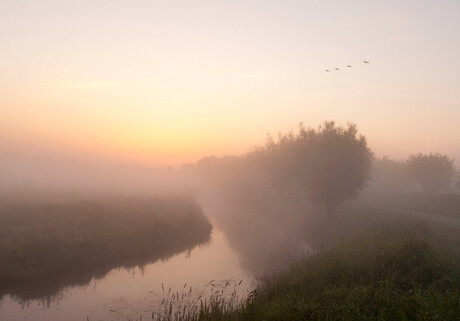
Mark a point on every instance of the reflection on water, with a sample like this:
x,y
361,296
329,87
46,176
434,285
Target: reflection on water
x,y
47,290
123,293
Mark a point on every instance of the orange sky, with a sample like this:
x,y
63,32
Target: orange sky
x,y
165,83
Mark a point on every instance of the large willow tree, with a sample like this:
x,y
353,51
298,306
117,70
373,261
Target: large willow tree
x,y
330,164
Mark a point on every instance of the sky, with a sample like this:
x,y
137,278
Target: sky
x,y
162,83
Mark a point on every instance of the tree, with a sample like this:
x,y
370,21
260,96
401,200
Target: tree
x,y
339,164
432,172
325,166
330,164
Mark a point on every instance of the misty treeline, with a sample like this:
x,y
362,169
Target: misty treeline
x,y
423,183
430,174
330,165
284,195
266,199
325,166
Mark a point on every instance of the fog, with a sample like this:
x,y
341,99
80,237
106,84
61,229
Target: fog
x,y
264,228
288,198
267,201
22,176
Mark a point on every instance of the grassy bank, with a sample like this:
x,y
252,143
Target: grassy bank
x,y
377,268
46,246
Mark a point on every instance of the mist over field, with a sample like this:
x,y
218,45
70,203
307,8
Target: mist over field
x,y
229,160
262,200
291,198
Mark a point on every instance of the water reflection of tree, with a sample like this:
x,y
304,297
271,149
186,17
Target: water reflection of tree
x,y
53,289
255,221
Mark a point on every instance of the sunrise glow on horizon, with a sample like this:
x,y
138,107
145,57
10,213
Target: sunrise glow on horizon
x,y
168,82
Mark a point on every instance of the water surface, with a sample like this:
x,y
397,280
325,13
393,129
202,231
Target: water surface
x,y
128,294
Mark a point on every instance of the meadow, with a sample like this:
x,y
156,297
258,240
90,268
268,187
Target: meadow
x,y
45,246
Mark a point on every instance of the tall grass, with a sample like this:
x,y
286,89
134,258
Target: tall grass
x,y
186,305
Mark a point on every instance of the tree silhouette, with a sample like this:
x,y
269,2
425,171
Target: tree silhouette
x,y
339,164
325,166
432,172
330,164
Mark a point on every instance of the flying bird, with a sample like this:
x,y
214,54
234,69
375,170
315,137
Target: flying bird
x,y
365,61
337,69
327,70
349,66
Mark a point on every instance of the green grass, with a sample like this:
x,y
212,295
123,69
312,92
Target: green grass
x,y
388,268
47,246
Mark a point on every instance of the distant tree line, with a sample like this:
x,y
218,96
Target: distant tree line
x,y
327,165
431,173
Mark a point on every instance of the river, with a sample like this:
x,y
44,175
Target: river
x,y
129,294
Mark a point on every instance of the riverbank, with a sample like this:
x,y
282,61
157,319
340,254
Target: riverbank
x,y
379,267
47,246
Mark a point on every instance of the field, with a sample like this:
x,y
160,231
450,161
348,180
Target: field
x,y
47,246
376,266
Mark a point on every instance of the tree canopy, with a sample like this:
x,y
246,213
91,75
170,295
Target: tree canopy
x,y
330,164
432,172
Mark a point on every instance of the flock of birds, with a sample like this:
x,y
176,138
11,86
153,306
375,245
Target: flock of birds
x,y
348,66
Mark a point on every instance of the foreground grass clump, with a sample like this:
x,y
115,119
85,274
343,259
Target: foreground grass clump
x,y
400,270
60,244
394,275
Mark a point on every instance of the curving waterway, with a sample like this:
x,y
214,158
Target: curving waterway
x,y
129,294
